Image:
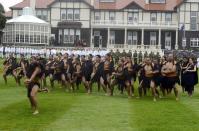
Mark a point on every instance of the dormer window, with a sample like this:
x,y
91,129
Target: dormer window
x,y
107,0
158,1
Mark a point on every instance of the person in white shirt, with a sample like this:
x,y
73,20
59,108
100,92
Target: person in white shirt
x,y
197,62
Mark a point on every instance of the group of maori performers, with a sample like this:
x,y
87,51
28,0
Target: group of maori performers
x,y
161,74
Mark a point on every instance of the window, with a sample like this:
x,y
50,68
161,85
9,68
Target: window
x,y
153,18
60,35
31,37
168,17
76,14
96,33
42,14
194,42
168,40
46,38
38,38
63,14
193,21
26,37
97,16
66,35
112,37
38,13
46,28
112,16
19,13
36,28
45,15
132,17
135,38
152,38
70,36
17,37
22,27
42,37
77,37
35,37
21,36
130,38
71,33
31,27
70,14
17,26
158,1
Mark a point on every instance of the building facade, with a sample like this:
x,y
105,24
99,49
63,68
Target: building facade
x,y
120,24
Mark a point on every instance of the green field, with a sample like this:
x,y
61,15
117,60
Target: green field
x,y
62,111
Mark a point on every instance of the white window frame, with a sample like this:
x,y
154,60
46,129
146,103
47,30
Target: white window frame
x,y
66,36
77,34
60,35
193,16
132,17
130,37
72,35
112,16
76,14
70,14
19,12
168,40
153,38
135,38
97,16
112,37
63,14
168,18
153,18
194,42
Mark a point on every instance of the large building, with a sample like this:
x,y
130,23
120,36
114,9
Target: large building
x,y
129,24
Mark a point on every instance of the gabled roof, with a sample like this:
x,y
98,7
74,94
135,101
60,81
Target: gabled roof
x,y
27,19
84,1
39,4
170,5
42,4
8,14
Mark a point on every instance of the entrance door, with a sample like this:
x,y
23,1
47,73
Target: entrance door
x,y
168,40
96,38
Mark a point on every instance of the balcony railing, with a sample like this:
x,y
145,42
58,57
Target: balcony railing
x,y
141,24
134,47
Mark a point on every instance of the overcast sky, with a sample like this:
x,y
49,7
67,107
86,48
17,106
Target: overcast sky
x,y
8,3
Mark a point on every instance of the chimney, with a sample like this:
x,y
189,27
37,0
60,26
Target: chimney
x,y
92,2
146,1
32,5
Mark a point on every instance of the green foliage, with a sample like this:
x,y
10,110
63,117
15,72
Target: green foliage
x,y
2,21
1,9
64,111
2,17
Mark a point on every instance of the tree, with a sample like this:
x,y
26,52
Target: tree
x,y
2,21
2,11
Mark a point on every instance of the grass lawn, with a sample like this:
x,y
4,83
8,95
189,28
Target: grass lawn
x,y
62,111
